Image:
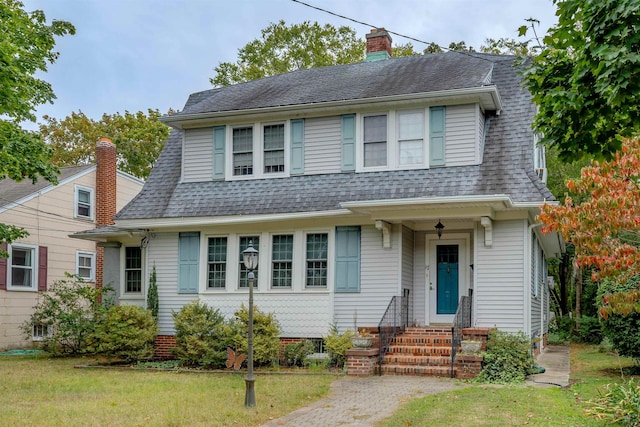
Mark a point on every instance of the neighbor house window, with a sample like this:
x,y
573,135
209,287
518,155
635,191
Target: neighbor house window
x,y
243,151
217,262
375,141
85,265
133,269
83,202
23,268
40,332
282,261
273,136
411,138
317,255
244,244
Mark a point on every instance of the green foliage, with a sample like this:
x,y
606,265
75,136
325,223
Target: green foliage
x,y
621,329
72,311
507,359
266,333
561,171
9,233
588,330
201,335
295,354
619,404
584,79
152,294
126,332
337,344
139,138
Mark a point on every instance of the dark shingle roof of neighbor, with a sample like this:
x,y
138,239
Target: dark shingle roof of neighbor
x,y
507,167
11,191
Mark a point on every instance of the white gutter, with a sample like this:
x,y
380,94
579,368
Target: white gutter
x,y
429,201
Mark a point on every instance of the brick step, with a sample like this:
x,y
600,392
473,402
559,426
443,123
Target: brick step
x,y
399,359
423,340
430,371
427,330
419,350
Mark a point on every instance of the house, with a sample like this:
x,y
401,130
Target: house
x,y
86,196
417,178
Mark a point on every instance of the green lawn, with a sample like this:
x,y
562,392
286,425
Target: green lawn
x,y
51,392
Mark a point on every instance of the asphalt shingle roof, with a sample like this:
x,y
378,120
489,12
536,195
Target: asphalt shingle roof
x,y
507,167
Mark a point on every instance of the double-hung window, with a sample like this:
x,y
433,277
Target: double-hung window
x,y
133,270
242,151
316,260
23,268
410,138
85,265
83,202
273,137
217,263
282,261
375,140
244,244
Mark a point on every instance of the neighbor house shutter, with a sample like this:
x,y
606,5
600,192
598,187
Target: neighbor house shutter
x,y
188,254
297,146
3,268
219,144
348,142
436,136
42,268
347,259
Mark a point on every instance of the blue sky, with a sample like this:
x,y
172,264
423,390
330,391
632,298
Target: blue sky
x,y
138,54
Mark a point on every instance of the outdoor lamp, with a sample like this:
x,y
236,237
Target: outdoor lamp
x,y
250,260
438,228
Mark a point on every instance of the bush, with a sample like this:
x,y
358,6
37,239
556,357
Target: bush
x,y
266,335
296,354
621,329
507,359
152,294
588,331
126,332
337,344
201,335
71,311
620,404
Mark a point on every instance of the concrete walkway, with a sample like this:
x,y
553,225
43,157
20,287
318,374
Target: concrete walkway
x,y
555,360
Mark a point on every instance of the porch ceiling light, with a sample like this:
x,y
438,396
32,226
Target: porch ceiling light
x,y
250,260
439,228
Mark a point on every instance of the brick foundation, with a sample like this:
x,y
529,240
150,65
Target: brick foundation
x,y
362,362
164,344
468,366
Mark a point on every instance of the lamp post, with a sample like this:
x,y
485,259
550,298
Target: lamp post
x,y
250,260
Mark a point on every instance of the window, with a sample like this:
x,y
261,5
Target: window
x,y
282,261
85,265
243,151
411,138
39,332
244,244
83,202
217,262
273,148
375,141
23,267
133,269
317,248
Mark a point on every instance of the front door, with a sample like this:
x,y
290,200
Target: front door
x,y
447,278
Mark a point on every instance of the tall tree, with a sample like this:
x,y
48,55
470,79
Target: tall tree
x,y
26,47
586,79
139,138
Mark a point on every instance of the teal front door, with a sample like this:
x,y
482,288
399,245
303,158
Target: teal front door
x,y
447,279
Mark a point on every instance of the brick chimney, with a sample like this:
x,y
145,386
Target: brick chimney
x,y
105,182
378,45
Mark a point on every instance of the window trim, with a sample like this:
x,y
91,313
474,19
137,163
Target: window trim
x,y
263,151
76,201
123,273
292,261
329,260
208,288
425,156
239,262
34,267
40,336
92,256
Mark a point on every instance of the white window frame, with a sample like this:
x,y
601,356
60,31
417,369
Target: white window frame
x,y
123,275
424,159
34,267
239,262
329,260
92,273
388,142
76,200
285,142
227,264
293,260
39,332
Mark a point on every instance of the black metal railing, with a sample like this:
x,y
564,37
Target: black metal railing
x,y
461,320
394,320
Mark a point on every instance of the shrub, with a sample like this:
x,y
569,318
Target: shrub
x,y
620,404
201,335
588,330
71,311
621,329
296,354
152,294
337,344
126,332
266,335
507,359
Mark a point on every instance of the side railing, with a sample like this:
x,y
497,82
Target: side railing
x,y
461,320
394,321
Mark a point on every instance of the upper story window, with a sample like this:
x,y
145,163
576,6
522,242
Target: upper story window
x,y
83,202
242,151
375,140
273,137
410,138
85,265
23,268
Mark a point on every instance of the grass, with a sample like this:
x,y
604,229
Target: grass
x,y
482,405
40,391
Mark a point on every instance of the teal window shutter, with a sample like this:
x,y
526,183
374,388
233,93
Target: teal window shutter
x,y
436,136
188,255
219,144
347,259
348,142
297,146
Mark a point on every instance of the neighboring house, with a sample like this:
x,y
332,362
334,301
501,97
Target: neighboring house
x,y
338,176
86,196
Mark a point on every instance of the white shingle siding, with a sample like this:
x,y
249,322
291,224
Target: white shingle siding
x,y
419,278
461,135
407,266
197,159
322,145
500,277
536,279
481,133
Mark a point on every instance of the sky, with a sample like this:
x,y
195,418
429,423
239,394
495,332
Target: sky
x,y
138,54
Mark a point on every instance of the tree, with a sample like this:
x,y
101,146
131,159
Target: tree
x,y
139,138
25,49
585,80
